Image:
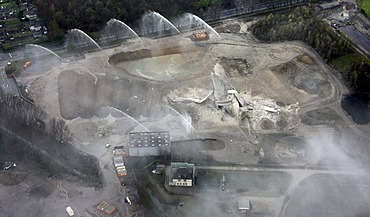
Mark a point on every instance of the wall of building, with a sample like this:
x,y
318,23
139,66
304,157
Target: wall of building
x,y
144,151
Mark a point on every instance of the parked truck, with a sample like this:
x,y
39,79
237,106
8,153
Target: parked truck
x,y
119,150
119,164
200,35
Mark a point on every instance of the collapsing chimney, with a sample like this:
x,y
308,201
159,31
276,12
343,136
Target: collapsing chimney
x,y
226,97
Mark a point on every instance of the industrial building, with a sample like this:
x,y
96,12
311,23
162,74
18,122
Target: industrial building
x,y
148,143
181,174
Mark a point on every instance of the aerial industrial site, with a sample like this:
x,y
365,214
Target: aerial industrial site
x,y
186,122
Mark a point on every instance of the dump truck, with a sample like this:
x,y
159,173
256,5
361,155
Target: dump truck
x,y
119,150
119,164
200,35
118,161
121,171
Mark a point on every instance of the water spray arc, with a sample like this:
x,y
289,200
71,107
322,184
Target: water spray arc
x,y
167,21
189,126
113,20
86,36
157,21
132,118
46,49
191,19
136,121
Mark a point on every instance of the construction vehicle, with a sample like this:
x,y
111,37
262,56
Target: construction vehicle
x,y
119,164
121,171
27,64
118,161
200,35
70,211
8,165
119,150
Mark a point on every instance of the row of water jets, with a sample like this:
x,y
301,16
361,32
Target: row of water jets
x,y
152,24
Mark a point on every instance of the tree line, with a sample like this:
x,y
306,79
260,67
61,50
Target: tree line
x,y
16,111
91,15
304,24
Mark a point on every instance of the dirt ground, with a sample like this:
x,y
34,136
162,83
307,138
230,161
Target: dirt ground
x,y
103,102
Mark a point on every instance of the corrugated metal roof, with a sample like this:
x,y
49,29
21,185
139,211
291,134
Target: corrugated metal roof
x,y
149,139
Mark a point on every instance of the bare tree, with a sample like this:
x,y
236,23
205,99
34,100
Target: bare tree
x,y
60,130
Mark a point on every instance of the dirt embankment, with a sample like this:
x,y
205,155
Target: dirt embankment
x,y
304,75
82,95
146,53
129,56
30,147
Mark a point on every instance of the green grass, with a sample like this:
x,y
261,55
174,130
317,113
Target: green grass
x,y
11,22
23,34
365,6
8,4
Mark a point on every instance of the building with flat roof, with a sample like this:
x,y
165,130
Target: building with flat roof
x,y
244,205
148,143
181,174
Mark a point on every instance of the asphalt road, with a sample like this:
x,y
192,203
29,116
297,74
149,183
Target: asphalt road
x,y
357,37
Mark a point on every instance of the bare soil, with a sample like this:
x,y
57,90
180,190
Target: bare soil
x,y
12,178
102,101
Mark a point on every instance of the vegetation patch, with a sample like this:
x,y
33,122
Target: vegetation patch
x,y
365,7
305,24
15,68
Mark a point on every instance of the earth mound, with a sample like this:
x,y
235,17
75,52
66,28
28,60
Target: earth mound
x,y
304,76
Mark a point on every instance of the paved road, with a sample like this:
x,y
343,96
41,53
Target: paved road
x,y
357,37
339,171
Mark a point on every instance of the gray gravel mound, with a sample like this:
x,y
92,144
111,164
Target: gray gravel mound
x,y
307,77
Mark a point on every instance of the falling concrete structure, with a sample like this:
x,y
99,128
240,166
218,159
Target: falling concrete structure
x,y
226,97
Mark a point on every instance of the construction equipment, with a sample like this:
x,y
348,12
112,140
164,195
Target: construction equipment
x,y
121,171
118,161
119,164
200,35
27,64
70,211
119,150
